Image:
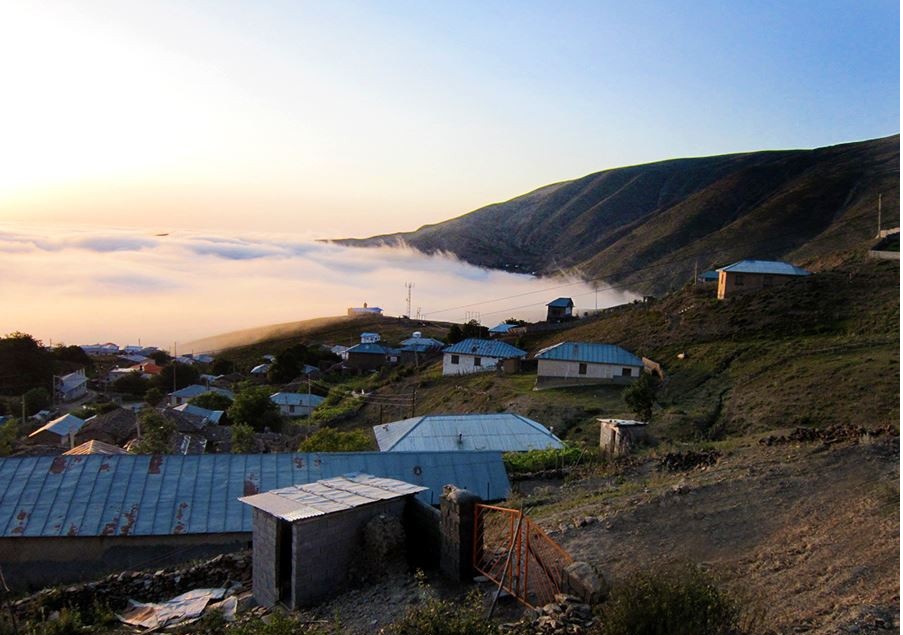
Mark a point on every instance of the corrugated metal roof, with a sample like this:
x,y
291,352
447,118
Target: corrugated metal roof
x,y
590,353
421,344
561,303
371,348
504,327
505,432
773,267
145,495
329,495
210,416
622,423
296,399
61,425
189,392
95,447
485,348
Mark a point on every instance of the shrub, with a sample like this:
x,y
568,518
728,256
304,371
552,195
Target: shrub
x,y
539,460
331,440
443,617
682,601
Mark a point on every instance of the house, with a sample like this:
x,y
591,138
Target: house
x,y
501,329
183,395
204,359
72,386
261,369
476,355
320,527
417,349
98,350
209,417
748,275
114,428
64,518
560,309
338,349
149,368
60,431
617,436
369,338
295,404
710,276
888,245
365,357
577,363
364,310
505,432
95,447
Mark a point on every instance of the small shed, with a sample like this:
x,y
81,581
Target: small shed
x,y
617,436
560,309
306,537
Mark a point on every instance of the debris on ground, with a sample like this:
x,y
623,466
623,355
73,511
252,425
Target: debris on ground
x,y
567,615
688,460
182,609
832,434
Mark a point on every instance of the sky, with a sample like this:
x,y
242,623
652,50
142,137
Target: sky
x,y
350,118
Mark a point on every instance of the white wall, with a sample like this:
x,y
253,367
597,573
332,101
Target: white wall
x,y
465,365
569,370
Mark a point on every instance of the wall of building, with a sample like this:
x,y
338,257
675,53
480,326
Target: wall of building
x,y
324,548
30,563
466,366
728,282
366,361
567,369
264,559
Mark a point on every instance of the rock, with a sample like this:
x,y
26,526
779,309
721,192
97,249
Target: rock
x,y
581,579
246,602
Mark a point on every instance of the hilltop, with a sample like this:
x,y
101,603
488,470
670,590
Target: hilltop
x,y
647,227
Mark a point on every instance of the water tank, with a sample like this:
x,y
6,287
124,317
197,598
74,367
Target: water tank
x,y
418,334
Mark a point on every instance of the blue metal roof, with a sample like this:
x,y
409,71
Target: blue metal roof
x,y
504,327
561,303
589,353
773,267
485,348
505,432
372,348
194,390
142,495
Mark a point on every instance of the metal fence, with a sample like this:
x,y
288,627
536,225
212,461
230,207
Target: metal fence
x,y
515,553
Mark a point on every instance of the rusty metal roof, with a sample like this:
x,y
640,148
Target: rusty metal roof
x,y
142,495
329,496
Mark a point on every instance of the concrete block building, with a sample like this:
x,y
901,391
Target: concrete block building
x,y
477,356
577,363
748,275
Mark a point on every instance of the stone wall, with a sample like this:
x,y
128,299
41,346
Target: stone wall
x,y
457,528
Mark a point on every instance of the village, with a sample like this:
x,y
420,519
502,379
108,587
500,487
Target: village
x,y
314,457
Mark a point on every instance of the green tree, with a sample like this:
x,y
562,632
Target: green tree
x,y
243,439
211,401
156,433
73,355
222,366
455,334
287,364
474,329
25,364
153,396
132,384
161,358
253,407
9,432
36,400
640,396
332,440
185,376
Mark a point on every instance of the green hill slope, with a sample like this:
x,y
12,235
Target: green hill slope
x,y
648,226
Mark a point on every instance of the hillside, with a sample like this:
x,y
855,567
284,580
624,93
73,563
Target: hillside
x,y
646,227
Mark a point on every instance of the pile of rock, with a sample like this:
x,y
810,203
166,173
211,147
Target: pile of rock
x,y
114,591
689,460
832,434
567,615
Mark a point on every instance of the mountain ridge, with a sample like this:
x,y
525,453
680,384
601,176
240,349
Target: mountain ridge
x,y
679,214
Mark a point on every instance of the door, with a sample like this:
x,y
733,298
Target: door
x,y
284,564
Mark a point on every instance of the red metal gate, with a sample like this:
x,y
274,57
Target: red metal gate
x,y
514,552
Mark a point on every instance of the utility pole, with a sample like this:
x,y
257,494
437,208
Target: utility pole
x,y
413,400
879,216
409,286
695,272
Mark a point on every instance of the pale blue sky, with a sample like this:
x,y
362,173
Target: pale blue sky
x,y
351,118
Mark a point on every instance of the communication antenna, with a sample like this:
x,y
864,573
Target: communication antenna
x,y
409,286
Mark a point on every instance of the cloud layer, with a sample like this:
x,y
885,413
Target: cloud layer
x,y
81,286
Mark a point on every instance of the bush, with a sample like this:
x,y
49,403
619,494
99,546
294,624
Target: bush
x,y
242,439
211,401
331,440
442,617
539,460
682,601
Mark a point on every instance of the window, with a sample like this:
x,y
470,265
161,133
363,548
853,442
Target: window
x,y
738,279
477,361
454,359
291,408
625,372
582,369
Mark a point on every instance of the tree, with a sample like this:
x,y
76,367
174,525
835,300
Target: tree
x,y
132,384
211,401
153,396
25,364
455,334
640,396
287,365
9,432
222,366
332,440
474,329
253,407
185,376
161,358
156,433
73,354
36,400
243,441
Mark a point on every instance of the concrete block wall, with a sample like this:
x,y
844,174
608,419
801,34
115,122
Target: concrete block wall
x,y
264,560
324,549
456,511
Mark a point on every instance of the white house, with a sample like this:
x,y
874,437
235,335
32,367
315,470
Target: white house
x,y
369,338
584,363
72,386
295,404
183,395
475,356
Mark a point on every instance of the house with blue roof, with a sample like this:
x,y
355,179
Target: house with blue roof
x,y
578,363
418,349
370,356
559,310
477,356
749,275
502,329
503,432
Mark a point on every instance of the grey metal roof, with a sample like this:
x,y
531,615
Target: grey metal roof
x,y
372,348
421,344
505,432
485,348
622,423
773,267
329,496
210,416
296,399
144,495
61,425
194,390
590,353
561,303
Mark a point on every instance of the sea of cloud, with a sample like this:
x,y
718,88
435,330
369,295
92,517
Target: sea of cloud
x,y
82,286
